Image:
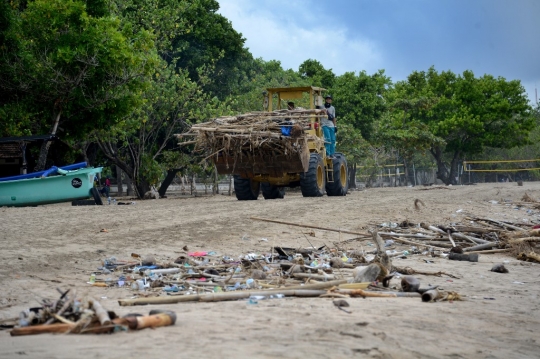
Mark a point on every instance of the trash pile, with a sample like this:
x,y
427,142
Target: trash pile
x,y
320,272
72,314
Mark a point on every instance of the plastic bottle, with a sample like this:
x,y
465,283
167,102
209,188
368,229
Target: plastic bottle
x,y
109,200
93,278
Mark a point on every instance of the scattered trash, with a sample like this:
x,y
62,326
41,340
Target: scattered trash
x,y
499,268
73,314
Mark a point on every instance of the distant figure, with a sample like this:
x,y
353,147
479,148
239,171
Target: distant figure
x,y
290,106
329,127
106,187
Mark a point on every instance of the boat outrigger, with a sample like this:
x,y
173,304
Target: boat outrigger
x,y
55,185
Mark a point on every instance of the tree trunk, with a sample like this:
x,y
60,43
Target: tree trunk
x,y
167,181
405,171
142,186
442,171
119,181
129,186
352,176
42,160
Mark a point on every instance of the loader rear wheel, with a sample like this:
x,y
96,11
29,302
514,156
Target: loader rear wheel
x,y
246,189
340,186
272,192
312,181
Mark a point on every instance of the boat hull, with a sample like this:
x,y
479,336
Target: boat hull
x,y
55,189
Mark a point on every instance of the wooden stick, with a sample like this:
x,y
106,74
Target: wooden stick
x,y
363,293
526,239
417,244
101,313
314,276
217,297
502,224
42,329
450,239
481,246
492,251
472,239
310,226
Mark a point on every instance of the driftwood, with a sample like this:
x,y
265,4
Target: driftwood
x,y
314,276
492,251
364,293
417,244
531,256
219,297
480,247
410,271
431,295
311,226
101,313
134,323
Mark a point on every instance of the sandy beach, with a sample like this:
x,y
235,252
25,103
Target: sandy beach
x,y
58,246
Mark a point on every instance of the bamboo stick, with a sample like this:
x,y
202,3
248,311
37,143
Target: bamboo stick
x,y
42,329
311,226
385,294
491,251
216,297
314,276
418,244
101,313
481,246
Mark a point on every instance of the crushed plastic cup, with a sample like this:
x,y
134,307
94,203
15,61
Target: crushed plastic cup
x,y
250,283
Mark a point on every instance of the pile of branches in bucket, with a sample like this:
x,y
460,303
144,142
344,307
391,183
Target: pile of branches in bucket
x,y
280,132
70,314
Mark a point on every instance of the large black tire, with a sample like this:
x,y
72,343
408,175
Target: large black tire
x,y
97,198
340,186
272,192
246,189
312,181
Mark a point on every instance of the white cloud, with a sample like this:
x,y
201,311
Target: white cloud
x,y
292,32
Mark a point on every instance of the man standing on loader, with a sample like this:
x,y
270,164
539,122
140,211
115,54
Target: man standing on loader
x,y
329,127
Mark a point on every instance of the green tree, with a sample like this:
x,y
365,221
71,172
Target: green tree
x,y
143,145
359,100
80,72
316,74
465,113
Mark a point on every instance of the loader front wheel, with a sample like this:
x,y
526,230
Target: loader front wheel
x,y
246,189
272,192
312,181
340,186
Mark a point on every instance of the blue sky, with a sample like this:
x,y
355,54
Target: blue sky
x,y
497,37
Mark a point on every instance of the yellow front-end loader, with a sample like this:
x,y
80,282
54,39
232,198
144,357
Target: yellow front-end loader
x,y
311,169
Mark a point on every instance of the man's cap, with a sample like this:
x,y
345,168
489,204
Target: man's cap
x,y
328,96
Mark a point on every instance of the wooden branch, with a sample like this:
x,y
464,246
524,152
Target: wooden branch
x,y
310,226
481,246
101,313
364,293
417,244
218,297
491,251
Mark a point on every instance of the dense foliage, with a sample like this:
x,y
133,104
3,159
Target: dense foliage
x,y
119,78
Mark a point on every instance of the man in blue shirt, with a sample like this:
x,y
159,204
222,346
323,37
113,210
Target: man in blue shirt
x,y
329,127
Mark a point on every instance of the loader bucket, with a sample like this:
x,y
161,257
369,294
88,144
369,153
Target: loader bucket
x,y
248,164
